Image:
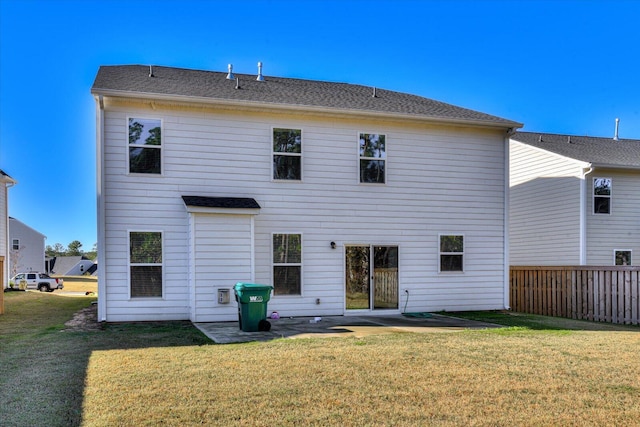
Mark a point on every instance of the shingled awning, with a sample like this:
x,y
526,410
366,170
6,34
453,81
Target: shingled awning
x,y
221,202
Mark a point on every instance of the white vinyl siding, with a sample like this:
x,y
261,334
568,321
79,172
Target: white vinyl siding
x,y
31,252
223,253
621,228
544,207
452,178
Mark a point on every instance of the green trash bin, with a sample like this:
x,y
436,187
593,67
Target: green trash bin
x,y
252,305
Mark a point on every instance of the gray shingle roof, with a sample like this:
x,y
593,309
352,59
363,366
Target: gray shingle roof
x,y
221,202
597,151
310,94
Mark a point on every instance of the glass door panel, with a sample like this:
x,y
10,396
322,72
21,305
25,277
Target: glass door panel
x,y
385,277
357,281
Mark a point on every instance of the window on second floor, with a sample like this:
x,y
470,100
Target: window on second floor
x,y
15,244
145,145
601,195
287,154
373,155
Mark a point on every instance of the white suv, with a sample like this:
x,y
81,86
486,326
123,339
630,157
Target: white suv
x,y
40,281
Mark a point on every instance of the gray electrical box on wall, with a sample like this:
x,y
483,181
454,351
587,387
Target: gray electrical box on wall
x,y
223,296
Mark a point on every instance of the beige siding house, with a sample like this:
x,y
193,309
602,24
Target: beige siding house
x,y
347,199
574,200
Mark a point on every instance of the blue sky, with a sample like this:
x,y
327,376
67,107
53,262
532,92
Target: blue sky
x,y
556,66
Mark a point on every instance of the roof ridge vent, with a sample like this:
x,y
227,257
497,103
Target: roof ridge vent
x,y
260,77
615,136
230,75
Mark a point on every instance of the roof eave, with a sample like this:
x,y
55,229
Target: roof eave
x,y
298,107
614,166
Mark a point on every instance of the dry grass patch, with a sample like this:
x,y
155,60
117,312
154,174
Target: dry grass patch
x,y
510,377
80,284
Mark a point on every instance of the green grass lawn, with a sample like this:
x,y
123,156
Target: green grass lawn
x,y
169,374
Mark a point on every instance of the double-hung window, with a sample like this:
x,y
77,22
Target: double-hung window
x,y
287,264
145,263
145,146
287,154
373,158
451,252
15,244
601,195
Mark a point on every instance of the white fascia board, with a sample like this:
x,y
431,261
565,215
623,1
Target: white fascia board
x,y
255,105
226,211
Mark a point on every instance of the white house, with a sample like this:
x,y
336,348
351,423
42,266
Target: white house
x,y
346,198
5,182
26,248
574,200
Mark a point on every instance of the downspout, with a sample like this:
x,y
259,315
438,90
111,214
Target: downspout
x,y
102,273
507,266
583,214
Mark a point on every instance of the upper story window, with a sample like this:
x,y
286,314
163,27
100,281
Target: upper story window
x,y
287,154
145,145
15,244
451,252
373,154
145,263
601,195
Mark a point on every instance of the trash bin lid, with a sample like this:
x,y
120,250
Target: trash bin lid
x,y
241,286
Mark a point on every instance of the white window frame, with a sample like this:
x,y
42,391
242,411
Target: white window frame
x,y
615,251
130,264
156,147
15,244
289,264
463,253
593,196
279,153
385,159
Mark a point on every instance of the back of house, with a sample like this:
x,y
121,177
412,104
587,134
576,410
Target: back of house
x,y
345,198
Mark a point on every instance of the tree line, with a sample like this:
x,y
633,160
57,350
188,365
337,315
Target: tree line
x,y
73,249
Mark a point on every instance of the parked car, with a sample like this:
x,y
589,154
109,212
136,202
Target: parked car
x,y
41,281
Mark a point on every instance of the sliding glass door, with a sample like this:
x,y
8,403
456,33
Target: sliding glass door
x,y
371,280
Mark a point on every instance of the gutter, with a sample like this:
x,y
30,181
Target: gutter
x,y
102,273
583,214
334,111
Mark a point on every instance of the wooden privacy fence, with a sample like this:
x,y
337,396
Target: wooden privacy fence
x,y
600,294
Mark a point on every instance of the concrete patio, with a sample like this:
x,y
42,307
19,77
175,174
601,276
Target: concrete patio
x,y
339,326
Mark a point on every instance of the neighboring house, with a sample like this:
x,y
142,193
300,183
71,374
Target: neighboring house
x,y
346,198
70,265
27,248
5,182
575,200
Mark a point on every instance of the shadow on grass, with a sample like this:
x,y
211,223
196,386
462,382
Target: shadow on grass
x,y
539,323
43,365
